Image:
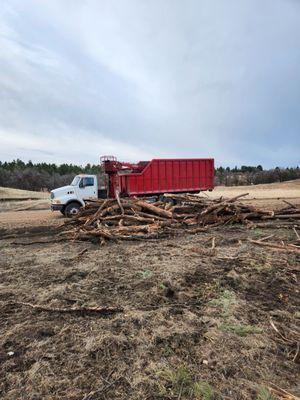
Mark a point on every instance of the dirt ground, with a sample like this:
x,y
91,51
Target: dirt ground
x,y
192,321
29,218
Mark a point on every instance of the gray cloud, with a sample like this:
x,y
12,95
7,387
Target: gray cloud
x,y
143,79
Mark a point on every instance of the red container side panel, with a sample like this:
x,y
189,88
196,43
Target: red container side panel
x,y
170,176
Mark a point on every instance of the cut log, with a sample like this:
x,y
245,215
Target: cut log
x,y
154,209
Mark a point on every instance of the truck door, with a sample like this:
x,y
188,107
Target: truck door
x,y
87,188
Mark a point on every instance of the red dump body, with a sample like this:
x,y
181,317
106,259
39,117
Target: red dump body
x,y
160,176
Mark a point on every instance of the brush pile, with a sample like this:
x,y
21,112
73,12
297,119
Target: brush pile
x,y
134,218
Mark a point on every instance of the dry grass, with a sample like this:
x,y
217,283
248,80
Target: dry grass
x,y
195,326
282,190
17,194
196,320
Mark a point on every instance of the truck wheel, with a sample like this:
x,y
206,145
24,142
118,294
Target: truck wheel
x,y
72,209
166,199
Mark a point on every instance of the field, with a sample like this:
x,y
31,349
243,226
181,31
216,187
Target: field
x,y
177,318
17,200
18,194
266,195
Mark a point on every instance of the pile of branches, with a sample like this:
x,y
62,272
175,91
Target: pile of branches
x,y
136,218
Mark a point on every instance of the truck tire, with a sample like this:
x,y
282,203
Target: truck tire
x,y
166,199
72,209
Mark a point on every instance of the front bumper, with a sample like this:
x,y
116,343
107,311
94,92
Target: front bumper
x,y
57,207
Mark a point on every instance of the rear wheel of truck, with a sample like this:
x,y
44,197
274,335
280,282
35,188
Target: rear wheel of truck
x,y
165,199
72,209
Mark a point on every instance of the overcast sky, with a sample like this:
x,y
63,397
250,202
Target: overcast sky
x,y
150,78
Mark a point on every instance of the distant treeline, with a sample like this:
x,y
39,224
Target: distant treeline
x,y
248,175
43,176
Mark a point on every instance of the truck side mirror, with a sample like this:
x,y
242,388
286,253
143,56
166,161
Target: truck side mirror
x,y
81,184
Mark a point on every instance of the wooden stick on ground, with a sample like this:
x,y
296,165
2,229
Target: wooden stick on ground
x,y
233,199
213,243
82,252
296,358
62,239
91,395
279,333
75,310
265,238
281,393
297,234
276,246
290,204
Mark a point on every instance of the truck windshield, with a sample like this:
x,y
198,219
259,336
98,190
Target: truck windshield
x,y
75,181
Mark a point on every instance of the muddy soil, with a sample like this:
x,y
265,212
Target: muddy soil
x,y
195,322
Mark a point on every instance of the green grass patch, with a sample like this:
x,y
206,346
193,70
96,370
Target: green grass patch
x,y
241,330
203,390
225,302
181,384
264,394
258,232
145,274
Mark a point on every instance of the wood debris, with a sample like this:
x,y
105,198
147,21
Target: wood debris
x,y
75,310
290,338
281,393
135,218
290,248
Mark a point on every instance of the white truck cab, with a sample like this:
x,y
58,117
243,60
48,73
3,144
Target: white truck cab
x,y
69,199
